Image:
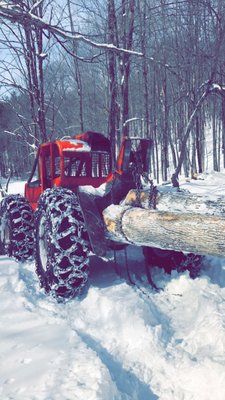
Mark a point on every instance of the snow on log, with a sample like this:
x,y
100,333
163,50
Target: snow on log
x,y
183,222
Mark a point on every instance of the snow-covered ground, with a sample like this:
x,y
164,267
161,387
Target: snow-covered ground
x,y
116,342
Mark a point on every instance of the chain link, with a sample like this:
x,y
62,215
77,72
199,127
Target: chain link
x,y
138,172
152,197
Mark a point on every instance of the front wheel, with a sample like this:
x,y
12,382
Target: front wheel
x,y
62,244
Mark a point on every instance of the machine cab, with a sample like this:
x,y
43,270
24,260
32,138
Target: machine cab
x,y
70,162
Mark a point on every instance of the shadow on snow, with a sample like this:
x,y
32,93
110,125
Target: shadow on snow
x,y
126,381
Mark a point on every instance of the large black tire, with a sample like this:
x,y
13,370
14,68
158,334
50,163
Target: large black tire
x,y
62,244
170,260
16,228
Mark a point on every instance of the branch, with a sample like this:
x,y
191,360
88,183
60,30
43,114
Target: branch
x,y
23,142
35,5
71,53
128,121
15,13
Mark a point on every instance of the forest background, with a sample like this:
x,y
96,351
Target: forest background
x,y
150,68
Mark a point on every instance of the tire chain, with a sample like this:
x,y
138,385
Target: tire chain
x,y
62,204
192,263
138,172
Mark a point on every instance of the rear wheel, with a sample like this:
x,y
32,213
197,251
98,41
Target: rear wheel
x,y
173,260
16,227
62,244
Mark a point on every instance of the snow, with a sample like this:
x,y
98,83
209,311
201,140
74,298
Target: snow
x,y
79,145
15,186
116,342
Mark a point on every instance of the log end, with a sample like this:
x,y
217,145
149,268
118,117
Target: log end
x,y
112,219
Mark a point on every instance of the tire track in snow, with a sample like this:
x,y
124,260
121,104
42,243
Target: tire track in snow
x,y
61,366
128,384
113,344
119,335
167,324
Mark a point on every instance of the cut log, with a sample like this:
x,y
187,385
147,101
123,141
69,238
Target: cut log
x,y
182,222
169,199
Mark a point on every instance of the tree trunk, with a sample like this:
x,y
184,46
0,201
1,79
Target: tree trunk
x,y
223,129
128,9
214,137
199,145
187,133
113,91
143,34
76,72
183,222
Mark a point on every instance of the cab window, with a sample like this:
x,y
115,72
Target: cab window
x,y
34,180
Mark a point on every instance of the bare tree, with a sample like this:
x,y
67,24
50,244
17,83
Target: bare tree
x,y
113,120
144,67
210,89
28,43
127,22
76,69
